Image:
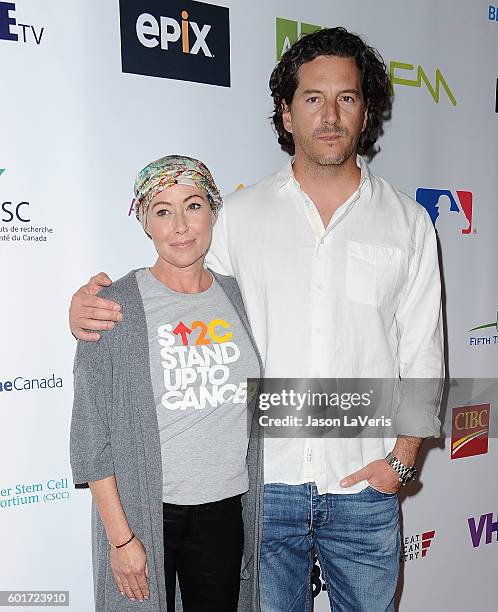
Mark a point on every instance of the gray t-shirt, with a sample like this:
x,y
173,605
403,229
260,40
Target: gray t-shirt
x,y
200,359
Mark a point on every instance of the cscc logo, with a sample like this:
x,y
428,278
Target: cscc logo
x,y
11,211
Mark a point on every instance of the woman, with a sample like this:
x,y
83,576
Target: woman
x,y
160,427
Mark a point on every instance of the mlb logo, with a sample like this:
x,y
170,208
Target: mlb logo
x,y
460,202
470,431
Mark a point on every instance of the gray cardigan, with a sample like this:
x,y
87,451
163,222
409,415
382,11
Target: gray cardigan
x,y
114,430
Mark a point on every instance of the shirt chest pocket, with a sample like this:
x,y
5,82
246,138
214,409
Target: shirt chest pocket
x,y
372,273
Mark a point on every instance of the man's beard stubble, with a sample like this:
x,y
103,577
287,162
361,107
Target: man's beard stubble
x,y
332,158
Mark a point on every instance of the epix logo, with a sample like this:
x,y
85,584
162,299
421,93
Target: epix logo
x,y
477,530
416,546
191,42
11,29
421,77
287,32
460,202
470,431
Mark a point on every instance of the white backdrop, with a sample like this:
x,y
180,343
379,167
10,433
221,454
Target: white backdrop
x,y
75,129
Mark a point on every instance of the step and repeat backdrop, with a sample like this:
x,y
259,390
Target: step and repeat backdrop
x,y
93,90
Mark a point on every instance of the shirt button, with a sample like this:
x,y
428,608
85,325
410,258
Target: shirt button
x,y
319,286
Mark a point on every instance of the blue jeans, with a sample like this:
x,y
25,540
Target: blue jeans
x,y
356,538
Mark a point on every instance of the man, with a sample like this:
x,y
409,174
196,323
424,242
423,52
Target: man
x,y
339,275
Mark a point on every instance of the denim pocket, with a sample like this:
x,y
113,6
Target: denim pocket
x,y
381,492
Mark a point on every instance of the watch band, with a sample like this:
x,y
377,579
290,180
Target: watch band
x,y
406,474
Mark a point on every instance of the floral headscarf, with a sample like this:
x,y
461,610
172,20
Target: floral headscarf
x,y
168,171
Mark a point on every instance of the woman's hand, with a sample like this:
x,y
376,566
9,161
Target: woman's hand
x,y
129,568
129,562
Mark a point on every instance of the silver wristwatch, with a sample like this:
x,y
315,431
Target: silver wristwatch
x,y
406,474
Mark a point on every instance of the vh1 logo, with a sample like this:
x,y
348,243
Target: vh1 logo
x,y
178,39
470,431
477,529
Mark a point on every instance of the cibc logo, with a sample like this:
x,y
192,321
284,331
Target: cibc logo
x,y
470,431
181,39
11,29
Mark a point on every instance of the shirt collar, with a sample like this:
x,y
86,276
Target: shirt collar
x,y
286,175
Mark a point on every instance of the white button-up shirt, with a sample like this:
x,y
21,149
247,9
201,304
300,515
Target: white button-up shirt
x,y
359,298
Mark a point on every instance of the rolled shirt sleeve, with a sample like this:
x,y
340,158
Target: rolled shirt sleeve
x,y
421,346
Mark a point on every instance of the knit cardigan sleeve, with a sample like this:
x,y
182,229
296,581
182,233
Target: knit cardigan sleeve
x,y
90,440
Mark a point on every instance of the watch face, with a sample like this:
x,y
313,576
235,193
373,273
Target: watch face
x,y
411,475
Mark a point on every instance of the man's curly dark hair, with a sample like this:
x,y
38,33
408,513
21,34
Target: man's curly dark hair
x,y
339,42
